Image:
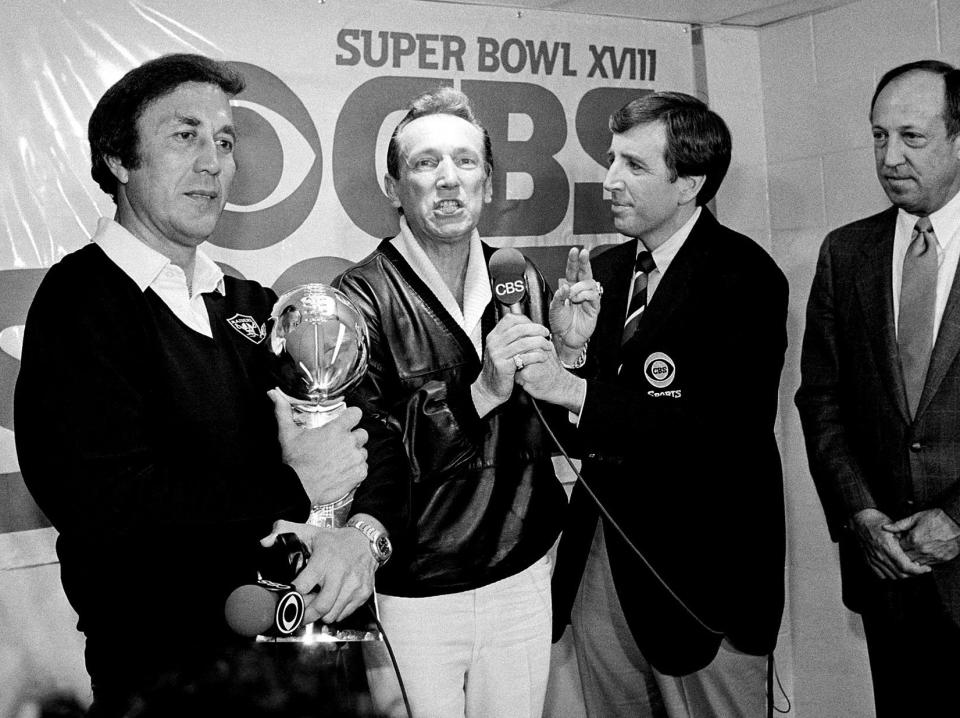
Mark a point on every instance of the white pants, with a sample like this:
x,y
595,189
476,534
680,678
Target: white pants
x,y
619,683
480,653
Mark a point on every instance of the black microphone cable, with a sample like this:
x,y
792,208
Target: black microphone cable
x,y
617,526
771,675
393,658
771,664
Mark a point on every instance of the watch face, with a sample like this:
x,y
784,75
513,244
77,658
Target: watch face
x,y
383,547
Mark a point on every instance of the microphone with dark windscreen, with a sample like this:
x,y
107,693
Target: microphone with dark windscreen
x,y
507,267
271,606
264,608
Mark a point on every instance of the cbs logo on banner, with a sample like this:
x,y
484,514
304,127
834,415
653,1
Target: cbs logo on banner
x,y
279,164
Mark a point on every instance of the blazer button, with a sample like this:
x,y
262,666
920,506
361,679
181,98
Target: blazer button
x,y
915,447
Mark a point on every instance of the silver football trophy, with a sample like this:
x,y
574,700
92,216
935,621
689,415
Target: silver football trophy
x,y
319,343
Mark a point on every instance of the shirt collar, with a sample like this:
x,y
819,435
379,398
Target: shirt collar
x,y
476,287
945,222
664,254
144,264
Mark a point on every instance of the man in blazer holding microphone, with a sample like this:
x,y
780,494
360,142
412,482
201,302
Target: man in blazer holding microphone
x,y
675,591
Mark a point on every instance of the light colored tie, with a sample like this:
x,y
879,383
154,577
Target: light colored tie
x,y
918,295
638,300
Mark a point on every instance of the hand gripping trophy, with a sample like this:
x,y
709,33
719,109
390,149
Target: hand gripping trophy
x,y
319,343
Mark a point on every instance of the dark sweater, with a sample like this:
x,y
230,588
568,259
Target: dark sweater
x,y
153,450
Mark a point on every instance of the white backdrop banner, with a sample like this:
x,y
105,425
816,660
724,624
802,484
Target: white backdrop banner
x,y
326,82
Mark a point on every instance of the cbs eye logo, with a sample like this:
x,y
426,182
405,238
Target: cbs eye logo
x,y
289,616
659,370
279,164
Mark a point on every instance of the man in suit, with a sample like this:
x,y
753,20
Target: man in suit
x,y
676,594
880,393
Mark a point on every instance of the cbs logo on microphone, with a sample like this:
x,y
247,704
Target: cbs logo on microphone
x,y
507,289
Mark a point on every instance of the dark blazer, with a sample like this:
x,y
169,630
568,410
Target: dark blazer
x,y
864,450
682,451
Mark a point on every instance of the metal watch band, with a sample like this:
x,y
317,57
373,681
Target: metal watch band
x,y
379,543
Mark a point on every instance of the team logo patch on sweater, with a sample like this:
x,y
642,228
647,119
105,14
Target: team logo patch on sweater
x,y
246,325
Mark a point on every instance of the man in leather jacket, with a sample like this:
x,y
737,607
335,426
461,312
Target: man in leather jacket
x,y
464,483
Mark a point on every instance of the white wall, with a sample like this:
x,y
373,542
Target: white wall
x,y
796,96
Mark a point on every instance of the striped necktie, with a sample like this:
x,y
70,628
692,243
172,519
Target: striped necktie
x,y
918,295
638,300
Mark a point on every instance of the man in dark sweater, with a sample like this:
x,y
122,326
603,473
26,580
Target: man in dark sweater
x,y
143,424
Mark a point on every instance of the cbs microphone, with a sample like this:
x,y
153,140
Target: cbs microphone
x,y
507,277
264,608
271,607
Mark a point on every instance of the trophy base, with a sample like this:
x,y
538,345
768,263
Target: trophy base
x,y
357,627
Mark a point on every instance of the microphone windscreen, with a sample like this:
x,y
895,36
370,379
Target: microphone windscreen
x,y
507,267
250,610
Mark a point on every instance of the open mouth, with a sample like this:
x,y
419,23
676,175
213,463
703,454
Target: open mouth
x,y
448,206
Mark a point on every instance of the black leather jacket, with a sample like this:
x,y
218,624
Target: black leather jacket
x,y
467,500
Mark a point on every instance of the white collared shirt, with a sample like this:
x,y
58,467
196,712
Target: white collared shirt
x,y
946,227
150,269
476,285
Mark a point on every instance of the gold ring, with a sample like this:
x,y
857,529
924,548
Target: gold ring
x,y
517,362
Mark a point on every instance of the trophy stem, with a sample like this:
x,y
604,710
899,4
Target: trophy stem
x,y
311,416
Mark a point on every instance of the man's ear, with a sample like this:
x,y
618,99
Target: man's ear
x,y
488,188
390,186
690,187
117,169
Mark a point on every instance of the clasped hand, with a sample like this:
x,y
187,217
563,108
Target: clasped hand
x,y
927,537
882,547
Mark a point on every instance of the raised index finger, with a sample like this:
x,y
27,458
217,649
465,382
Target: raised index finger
x,y
584,270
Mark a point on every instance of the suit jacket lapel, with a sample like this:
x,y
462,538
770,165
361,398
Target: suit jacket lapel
x,y
875,290
676,284
946,347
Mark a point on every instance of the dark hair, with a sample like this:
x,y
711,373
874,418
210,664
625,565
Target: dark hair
x,y
951,88
112,130
441,101
698,141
